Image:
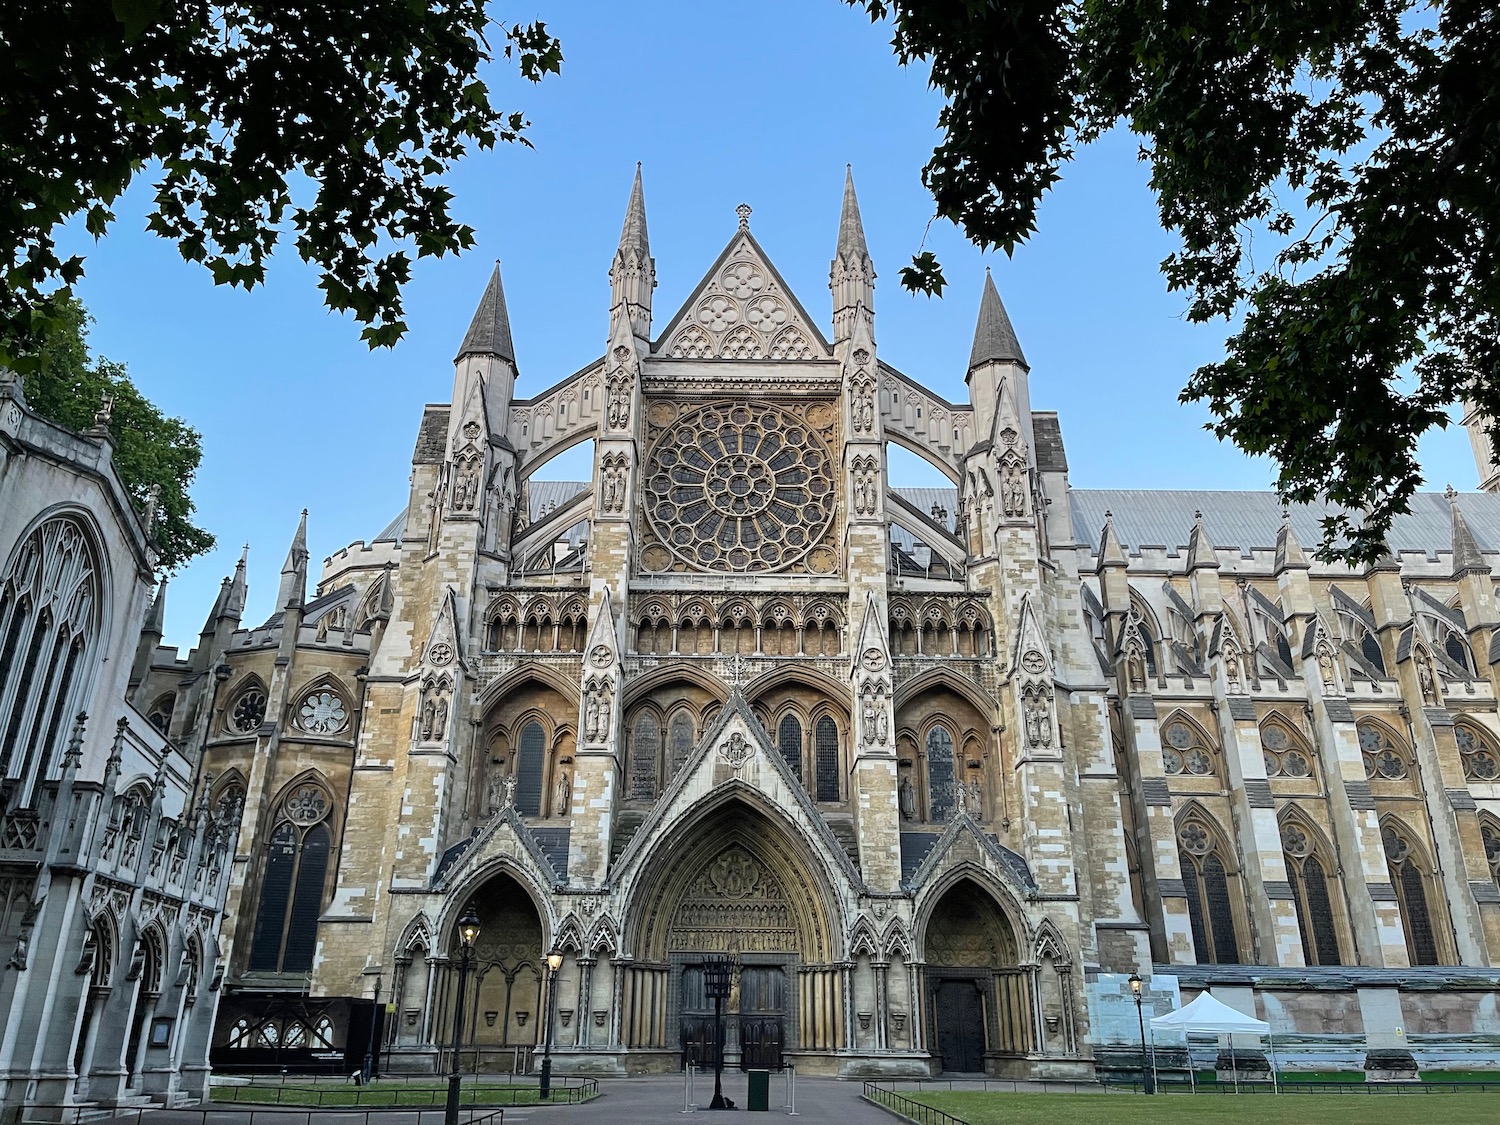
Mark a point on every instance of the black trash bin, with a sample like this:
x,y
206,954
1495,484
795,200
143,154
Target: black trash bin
x,y
759,1096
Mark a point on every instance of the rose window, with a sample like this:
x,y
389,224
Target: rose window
x,y
739,487
307,805
249,711
322,712
1295,842
1194,838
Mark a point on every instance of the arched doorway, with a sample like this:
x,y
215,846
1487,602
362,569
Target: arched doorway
x,y
978,997
736,884
503,1012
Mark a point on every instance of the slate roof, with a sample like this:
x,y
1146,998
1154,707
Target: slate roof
x,y
994,338
489,331
1249,520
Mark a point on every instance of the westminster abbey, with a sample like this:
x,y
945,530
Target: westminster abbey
x,y
933,766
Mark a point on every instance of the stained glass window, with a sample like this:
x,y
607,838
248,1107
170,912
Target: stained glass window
x,y
1385,758
1410,881
1185,751
1310,896
1490,835
291,895
940,773
645,751
530,763
1285,755
789,742
826,753
1210,889
681,737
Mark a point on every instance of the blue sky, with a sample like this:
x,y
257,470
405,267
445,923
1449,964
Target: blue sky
x,y
722,104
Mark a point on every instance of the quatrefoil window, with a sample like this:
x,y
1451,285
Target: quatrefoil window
x,y
1184,753
736,487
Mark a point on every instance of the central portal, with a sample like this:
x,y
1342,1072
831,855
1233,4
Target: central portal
x,y
734,884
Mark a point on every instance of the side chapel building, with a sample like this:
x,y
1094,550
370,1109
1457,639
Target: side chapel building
x,y
925,762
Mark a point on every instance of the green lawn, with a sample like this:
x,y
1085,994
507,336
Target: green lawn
x,y
383,1094
979,1108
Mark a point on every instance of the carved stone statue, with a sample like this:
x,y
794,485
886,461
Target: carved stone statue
x,y
1135,664
563,803
1232,671
494,795
440,717
510,791
906,797
428,714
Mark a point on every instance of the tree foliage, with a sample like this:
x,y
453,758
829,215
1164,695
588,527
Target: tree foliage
x,y
155,456
334,119
1330,170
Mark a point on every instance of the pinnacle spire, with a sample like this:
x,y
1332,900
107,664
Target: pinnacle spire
x,y
1289,552
994,338
156,616
851,228
633,235
1201,546
1110,551
1467,558
235,606
489,331
294,571
220,603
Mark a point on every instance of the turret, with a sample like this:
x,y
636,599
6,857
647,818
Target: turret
x,y
995,360
484,374
632,274
293,590
152,630
851,275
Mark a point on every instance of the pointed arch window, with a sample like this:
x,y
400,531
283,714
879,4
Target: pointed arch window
x,y
1410,878
1185,751
1386,758
645,752
826,758
1477,750
159,715
531,761
1307,872
789,742
49,626
1489,834
1358,633
294,873
682,735
1454,645
940,773
1286,754
1211,886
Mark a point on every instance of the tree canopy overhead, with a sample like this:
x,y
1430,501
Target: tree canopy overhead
x,y
334,121
1358,140
155,456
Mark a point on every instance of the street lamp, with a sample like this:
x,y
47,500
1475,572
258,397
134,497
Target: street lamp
x,y
716,973
554,962
374,1021
1148,1080
468,931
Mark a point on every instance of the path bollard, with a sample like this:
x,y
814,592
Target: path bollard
x,y
791,1092
689,1092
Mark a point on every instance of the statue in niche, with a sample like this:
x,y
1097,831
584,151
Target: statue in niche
x,y
440,717
619,398
906,797
563,803
596,712
510,791
1426,682
976,799
494,794
862,410
868,716
1135,665
1013,490
429,710
1038,720
882,726
960,799
1232,671
1325,668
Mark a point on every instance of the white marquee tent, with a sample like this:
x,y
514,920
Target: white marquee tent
x,y
1213,1017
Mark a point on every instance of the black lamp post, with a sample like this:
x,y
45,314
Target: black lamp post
x,y
370,1046
1148,1080
554,962
716,973
468,931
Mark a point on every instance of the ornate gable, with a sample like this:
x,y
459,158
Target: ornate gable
x,y
742,310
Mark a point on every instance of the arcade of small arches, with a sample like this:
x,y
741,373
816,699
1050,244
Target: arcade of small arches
x,y
946,743
974,984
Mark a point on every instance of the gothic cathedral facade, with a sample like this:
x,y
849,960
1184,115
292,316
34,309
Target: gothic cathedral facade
x,y
928,764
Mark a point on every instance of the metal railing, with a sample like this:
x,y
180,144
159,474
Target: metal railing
x,y
917,1111
1382,1089
473,1095
222,1115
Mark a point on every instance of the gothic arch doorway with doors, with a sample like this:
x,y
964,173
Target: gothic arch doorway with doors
x,y
503,1012
736,884
977,995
